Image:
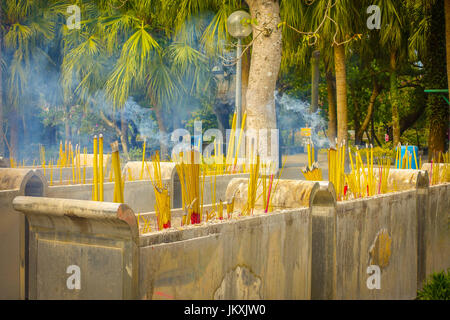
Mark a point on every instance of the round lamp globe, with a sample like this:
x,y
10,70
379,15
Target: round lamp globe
x,y
238,24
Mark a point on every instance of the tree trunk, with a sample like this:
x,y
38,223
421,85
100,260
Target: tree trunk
x,y
331,89
14,140
66,125
407,121
264,68
447,36
26,137
113,124
245,75
124,134
436,78
394,99
162,133
315,81
2,144
374,135
341,93
356,118
365,124
222,111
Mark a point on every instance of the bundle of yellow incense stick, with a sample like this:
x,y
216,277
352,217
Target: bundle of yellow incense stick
x,y
84,166
212,181
269,207
101,177
363,180
188,169
241,134
115,165
231,143
230,208
440,169
252,186
143,161
336,161
162,206
95,169
312,171
51,172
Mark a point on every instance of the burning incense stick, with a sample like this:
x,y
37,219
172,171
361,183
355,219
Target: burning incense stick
x,y
268,197
84,167
230,148
252,186
78,164
143,160
239,141
73,165
51,173
100,166
189,174
230,208
115,159
60,171
162,207
60,154
95,175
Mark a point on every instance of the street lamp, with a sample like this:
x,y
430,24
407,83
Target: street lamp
x,y
238,25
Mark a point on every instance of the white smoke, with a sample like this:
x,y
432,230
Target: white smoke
x,y
295,113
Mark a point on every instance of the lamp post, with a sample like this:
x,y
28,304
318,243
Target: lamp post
x,y
239,27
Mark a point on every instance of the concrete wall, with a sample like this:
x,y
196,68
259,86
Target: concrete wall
x,y
380,230
259,257
320,252
221,182
141,194
255,257
67,174
14,229
12,242
99,238
438,229
444,170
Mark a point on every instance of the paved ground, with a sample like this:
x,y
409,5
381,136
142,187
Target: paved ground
x,y
295,162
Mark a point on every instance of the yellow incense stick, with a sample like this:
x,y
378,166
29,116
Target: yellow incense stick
x,y
84,167
73,166
100,166
240,139
51,173
308,147
95,174
143,160
230,148
60,171
116,167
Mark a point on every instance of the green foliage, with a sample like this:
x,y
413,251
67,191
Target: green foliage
x,y
135,153
414,136
387,151
437,287
161,53
206,115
